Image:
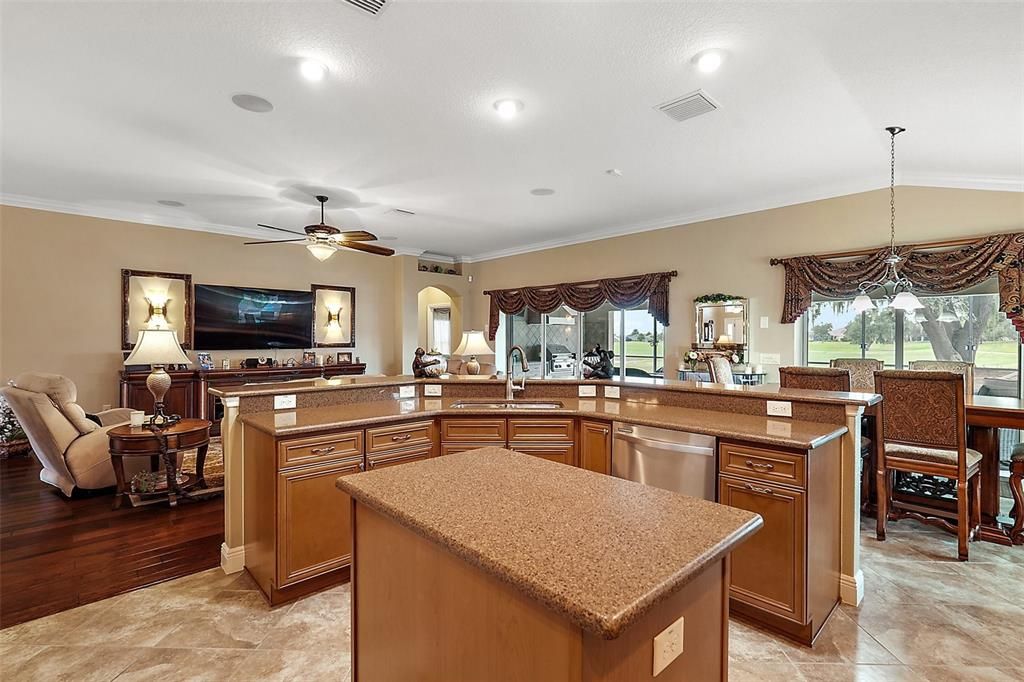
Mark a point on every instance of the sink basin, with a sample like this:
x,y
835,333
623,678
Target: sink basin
x,y
507,404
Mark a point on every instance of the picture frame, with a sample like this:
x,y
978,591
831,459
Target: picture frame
x,y
204,360
147,292
308,358
344,358
334,316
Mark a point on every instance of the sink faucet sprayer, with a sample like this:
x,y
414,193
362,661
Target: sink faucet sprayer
x,y
510,386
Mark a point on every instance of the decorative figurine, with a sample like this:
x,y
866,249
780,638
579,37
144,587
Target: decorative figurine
x,y
603,368
419,365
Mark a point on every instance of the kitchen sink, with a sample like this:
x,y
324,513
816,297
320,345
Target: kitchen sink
x,y
507,405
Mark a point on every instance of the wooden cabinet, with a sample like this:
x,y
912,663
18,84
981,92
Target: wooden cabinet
x,y
786,575
316,449
180,398
482,430
550,438
596,446
395,458
563,453
389,438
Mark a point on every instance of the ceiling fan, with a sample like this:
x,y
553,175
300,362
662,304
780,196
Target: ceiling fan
x,y
323,239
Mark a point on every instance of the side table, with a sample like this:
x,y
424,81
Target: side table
x,y
161,444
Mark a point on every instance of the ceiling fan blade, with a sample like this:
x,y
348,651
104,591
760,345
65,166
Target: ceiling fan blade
x,y
357,236
368,248
277,241
279,229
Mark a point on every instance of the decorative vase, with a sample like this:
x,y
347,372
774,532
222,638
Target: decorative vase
x,y
440,368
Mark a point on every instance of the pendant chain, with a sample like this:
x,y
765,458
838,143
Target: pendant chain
x,y
892,192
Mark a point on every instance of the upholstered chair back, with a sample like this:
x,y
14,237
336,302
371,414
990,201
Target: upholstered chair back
x,y
922,408
720,369
862,372
817,378
955,366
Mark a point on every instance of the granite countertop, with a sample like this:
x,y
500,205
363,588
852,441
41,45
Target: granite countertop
x,y
802,435
629,546
766,391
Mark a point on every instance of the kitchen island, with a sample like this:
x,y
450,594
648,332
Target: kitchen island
x,y
462,570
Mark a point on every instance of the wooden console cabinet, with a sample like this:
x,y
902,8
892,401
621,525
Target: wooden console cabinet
x,y
787,575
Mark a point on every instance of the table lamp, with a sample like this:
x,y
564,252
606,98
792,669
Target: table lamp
x,y
473,344
158,347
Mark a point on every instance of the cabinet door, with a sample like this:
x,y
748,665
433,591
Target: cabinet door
x,y
481,430
768,570
454,448
396,458
554,452
596,446
400,437
540,430
314,521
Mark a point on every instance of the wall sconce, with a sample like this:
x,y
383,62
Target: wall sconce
x,y
334,319
157,312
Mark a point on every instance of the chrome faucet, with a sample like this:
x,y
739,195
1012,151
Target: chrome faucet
x,y
510,385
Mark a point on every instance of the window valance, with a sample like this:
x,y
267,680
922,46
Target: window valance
x,y
622,292
935,268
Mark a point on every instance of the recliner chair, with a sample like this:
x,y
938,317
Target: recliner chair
x,y
73,449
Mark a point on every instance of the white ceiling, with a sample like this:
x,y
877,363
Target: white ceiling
x,y
109,107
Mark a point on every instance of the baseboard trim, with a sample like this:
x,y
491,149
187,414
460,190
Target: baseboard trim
x,y
232,559
851,588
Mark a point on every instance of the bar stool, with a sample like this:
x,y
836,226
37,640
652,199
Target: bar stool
x,y
1017,490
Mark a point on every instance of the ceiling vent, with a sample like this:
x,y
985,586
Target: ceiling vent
x,y
373,7
688,106
403,211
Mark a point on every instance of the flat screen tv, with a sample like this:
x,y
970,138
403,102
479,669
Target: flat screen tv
x,y
243,318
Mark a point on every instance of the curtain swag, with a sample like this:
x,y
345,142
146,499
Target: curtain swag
x,y
935,270
622,292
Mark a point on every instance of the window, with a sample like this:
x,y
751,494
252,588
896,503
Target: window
x,y
440,330
965,327
562,338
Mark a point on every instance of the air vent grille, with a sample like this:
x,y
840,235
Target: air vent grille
x,y
373,7
688,106
403,211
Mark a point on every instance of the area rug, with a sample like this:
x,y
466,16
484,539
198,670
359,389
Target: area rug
x,y
214,467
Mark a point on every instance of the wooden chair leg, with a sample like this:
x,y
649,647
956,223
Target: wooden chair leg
x,y
975,487
1017,490
882,507
962,519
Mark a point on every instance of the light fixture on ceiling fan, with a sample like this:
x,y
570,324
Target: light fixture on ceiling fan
x,y
323,239
896,288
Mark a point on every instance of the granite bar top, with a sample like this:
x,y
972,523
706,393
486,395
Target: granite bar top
x,y
766,391
802,435
628,547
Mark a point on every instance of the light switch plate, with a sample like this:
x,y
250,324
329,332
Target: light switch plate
x,y
587,391
780,408
406,391
284,402
432,390
432,404
771,358
779,429
282,419
764,322
668,646
611,391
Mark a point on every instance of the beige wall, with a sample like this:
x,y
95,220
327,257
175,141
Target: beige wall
x,y
60,290
730,255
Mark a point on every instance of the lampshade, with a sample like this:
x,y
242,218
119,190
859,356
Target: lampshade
x,y
157,347
473,343
724,338
321,251
863,303
906,301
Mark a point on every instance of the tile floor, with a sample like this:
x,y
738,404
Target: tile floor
x,y
925,618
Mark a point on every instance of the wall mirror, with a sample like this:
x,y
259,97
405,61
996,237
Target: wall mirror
x,y
721,321
152,300
334,316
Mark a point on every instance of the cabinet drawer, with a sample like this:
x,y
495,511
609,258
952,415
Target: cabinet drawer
x,y
769,569
766,465
473,430
545,430
400,437
316,449
380,461
452,448
556,452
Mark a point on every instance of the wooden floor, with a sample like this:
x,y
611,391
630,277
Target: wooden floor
x,y
57,553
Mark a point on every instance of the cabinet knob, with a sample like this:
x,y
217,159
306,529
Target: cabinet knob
x,y
760,466
758,489
604,431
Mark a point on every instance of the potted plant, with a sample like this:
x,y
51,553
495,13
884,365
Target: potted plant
x,y
12,437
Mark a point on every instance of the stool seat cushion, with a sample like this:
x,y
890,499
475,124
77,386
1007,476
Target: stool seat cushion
x,y
936,455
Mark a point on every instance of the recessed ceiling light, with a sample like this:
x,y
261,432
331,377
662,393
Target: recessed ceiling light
x,y
542,192
253,103
170,202
708,61
312,70
615,172
508,108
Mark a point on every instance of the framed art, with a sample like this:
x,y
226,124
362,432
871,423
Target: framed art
x,y
153,300
344,358
334,316
308,358
205,360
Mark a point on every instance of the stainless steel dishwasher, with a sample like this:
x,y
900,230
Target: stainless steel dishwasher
x,y
674,460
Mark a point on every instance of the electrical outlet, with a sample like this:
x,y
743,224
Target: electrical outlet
x,y
406,391
587,391
779,429
771,358
764,322
780,408
611,391
282,419
668,645
284,402
432,390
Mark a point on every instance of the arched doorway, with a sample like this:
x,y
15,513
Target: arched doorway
x,y
436,330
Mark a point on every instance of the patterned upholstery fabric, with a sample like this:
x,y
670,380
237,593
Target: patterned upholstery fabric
x,y
817,378
936,455
1018,453
862,372
955,366
922,407
721,370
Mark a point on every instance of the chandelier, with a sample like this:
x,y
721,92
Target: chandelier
x,y
896,288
